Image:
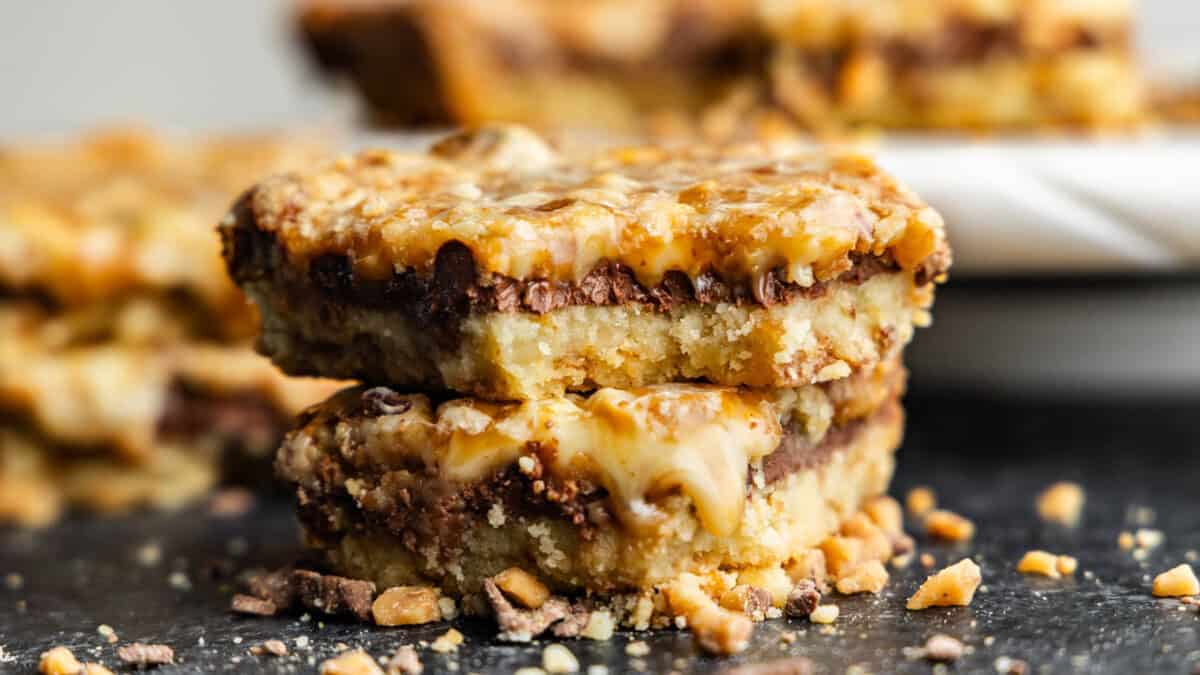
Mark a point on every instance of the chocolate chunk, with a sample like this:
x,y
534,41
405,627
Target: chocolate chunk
x,y
522,625
506,294
247,604
796,665
383,401
540,297
276,587
596,287
333,594
454,275
574,622
144,655
802,599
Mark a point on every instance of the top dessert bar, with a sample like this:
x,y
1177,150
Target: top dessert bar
x,y
828,63
125,213
496,266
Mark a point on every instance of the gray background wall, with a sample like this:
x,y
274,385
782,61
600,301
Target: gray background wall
x,y
206,64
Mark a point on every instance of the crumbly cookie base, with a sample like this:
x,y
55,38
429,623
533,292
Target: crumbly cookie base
x,y
780,521
521,355
38,483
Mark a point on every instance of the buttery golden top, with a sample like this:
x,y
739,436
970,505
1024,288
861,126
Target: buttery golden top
x,y
526,211
119,211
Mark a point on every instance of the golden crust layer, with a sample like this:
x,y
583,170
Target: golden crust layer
x,y
525,212
126,211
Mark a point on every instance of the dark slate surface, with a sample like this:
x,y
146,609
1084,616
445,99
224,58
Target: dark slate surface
x,y
986,457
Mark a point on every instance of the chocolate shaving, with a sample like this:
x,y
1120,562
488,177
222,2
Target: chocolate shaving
x,y
333,594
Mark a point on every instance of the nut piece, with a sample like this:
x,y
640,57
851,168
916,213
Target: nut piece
x,y
1066,565
558,659
1145,538
944,648
717,630
270,647
144,655
1039,562
885,512
824,614
774,580
803,599
1176,582
353,662
808,565
248,604
876,544
59,661
841,553
1125,541
405,662
920,501
523,587
954,585
447,642
868,577
948,525
1061,503
749,600
600,626
406,606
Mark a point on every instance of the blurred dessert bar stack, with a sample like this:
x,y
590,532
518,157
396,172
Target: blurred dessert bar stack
x,y
126,375
827,65
650,375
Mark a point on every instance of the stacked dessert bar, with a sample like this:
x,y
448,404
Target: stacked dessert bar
x,y
646,375
126,374
959,64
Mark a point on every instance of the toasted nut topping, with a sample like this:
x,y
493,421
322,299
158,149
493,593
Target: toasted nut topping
x,y
749,600
841,553
406,606
876,543
886,513
867,577
447,642
405,662
920,501
941,647
808,565
954,585
1176,582
600,626
1066,565
59,661
1145,538
948,525
1125,541
558,659
824,614
353,662
1061,503
522,587
270,647
774,580
717,630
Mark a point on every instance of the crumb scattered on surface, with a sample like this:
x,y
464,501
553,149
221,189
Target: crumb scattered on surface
x,y
637,648
1047,564
950,526
1147,538
149,554
943,648
795,665
106,631
447,642
1061,503
558,659
885,512
407,606
717,630
824,614
1176,582
354,662
1010,666
142,655
269,648
746,599
952,586
334,595
231,502
1125,541
404,661
867,577
248,604
14,581
59,661
803,599
920,501
1066,565
927,560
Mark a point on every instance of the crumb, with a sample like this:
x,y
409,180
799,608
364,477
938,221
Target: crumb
x,y
1145,538
795,665
59,661
600,626
356,662
407,606
447,608
248,604
1008,666
920,501
943,524
522,625
14,581
334,595
825,614
270,648
143,655
1061,503
1066,565
1175,582
231,502
1045,564
885,512
179,581
302,642
787,637
106,631
529,670
901,561
1125,541
943,648
597,670
954,585
637,648
717,630
749,600
522,587
927,560
404,661
447,642
558,659
867,577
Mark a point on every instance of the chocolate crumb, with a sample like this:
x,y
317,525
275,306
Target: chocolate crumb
x,y
276,587
270,648
802,600
518,625
143,655
574,622
333,594
248,604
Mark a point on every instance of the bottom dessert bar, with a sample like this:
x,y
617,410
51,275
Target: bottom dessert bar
x,y
617,493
